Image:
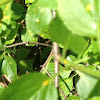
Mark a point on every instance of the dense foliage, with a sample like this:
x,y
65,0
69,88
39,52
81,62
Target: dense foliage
x,y
28,30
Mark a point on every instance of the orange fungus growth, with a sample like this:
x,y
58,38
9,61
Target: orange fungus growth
x,y
37,20
45,83
89,7
65,61
35,10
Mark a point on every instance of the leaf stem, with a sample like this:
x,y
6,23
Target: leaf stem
x,y
82,60
81,68
2,55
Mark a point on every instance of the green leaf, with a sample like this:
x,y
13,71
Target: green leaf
x,y
73,97
1,46
95,47
97,8
96,90
28,36
38,18
77,43
17,10
76,18
36,86
86,82
96,14
25,66
92,67
66,85
66,82
5,16
71,58
4,1
69,40
9,67
45,52
65,74
9,11
95,98
57,28
29,1
1,88
22,53
11,37
12,28
6,32
52,4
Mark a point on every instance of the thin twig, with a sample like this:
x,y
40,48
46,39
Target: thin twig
x,y
62,93
43,66
4,82
22,43
53,14
59,87
6,79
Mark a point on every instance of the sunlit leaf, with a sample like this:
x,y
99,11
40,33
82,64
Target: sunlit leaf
x,y
88,82
28,36
9,67
17,11
1,88
52,4
29,1
60,34
38,18
4,1
33,86
5,16
95,98
73,97
76,18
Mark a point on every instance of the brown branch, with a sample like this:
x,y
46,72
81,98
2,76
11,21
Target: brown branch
x,y
4,83
5,80
53,14
43,67
8,80
56,52
22,43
